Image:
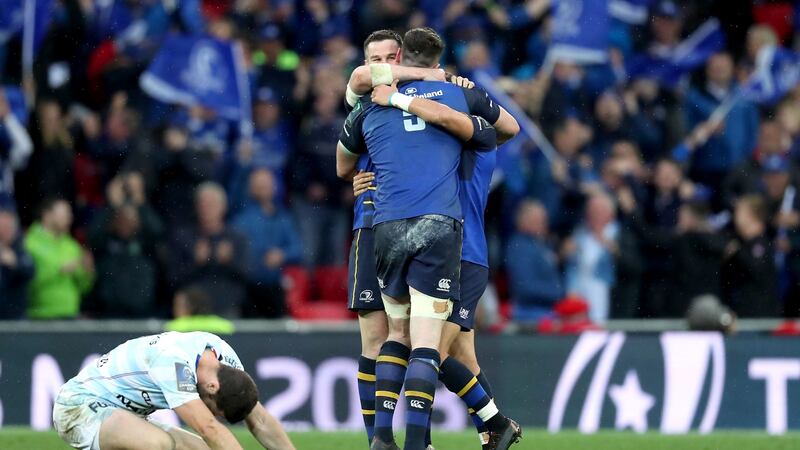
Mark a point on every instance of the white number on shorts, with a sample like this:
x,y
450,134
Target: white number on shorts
x,y
413,123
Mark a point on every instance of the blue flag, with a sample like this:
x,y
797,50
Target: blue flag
x,y
200,71
777,72
16,102
693,52
634,12
580,31
11,19
37,17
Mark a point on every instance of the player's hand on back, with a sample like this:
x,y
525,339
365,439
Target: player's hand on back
x,y
381,94
361,182
464,82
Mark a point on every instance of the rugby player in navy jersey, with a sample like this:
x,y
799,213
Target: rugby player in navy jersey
x,y
417,240
382,47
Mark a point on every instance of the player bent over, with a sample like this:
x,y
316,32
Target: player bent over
x,y
198,375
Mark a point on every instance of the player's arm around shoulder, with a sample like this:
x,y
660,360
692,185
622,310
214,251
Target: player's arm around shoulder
x,y
267,430
351,144
197,415
481,104
456,123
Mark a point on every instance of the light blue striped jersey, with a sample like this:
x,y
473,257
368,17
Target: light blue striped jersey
x,y
151,372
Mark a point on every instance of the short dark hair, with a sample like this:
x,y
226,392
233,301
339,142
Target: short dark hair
x,y
383,35
422,47
237,394
197,299
757,206
48,204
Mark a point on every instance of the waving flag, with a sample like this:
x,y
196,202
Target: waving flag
x,y
37,17
693,52
777,72
634,12
12,16
580,31
200,71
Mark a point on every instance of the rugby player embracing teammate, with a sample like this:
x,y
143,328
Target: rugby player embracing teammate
x,y
417,239
381,47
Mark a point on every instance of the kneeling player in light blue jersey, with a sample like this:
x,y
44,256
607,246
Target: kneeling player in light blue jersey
x,y
198,375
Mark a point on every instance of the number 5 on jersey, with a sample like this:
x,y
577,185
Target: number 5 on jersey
x,y
413,123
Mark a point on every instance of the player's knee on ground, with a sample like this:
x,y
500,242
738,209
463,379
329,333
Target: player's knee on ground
x,y
430,307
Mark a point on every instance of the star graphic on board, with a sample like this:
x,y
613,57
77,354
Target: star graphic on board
x,y
632,403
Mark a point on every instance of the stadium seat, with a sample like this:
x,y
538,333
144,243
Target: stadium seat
x,y
297,285
330,283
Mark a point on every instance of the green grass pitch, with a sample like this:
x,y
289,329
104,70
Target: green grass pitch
x,y
25,439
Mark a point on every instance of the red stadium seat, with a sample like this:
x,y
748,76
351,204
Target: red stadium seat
x,y
330,284
297,285
327,282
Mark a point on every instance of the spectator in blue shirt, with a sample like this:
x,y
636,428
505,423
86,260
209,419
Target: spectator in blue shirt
x,y
274,243
532,266
269,148
734,142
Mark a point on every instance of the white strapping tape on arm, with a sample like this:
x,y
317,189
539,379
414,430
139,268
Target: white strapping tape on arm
x,y
351,96
401,101
381,74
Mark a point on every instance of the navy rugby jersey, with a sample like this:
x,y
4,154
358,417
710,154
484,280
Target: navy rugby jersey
x,y
416,164
364,207
476,175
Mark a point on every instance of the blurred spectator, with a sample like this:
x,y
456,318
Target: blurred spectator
x,y
178,169
735,139
211,254
191,307
557,183
274,242
612,124
749,278
16,266
50,171
119,138
269,148
532,266
64,271
15,148
590,254
746,177
318,196
123,238
683,261
665,27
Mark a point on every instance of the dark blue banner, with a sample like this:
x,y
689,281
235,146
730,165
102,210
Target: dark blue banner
x,y
777,72
200,71
580,31
692,53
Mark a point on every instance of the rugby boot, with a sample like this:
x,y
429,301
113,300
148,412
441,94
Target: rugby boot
x,y
505,438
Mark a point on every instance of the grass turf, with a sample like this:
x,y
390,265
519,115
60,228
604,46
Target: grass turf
x,y
25,439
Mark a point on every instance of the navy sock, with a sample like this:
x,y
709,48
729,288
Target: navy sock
x,y
486,386
420,384
459,380
390,371
366,392
428,432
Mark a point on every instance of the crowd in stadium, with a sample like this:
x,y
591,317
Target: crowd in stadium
x,y
112,201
